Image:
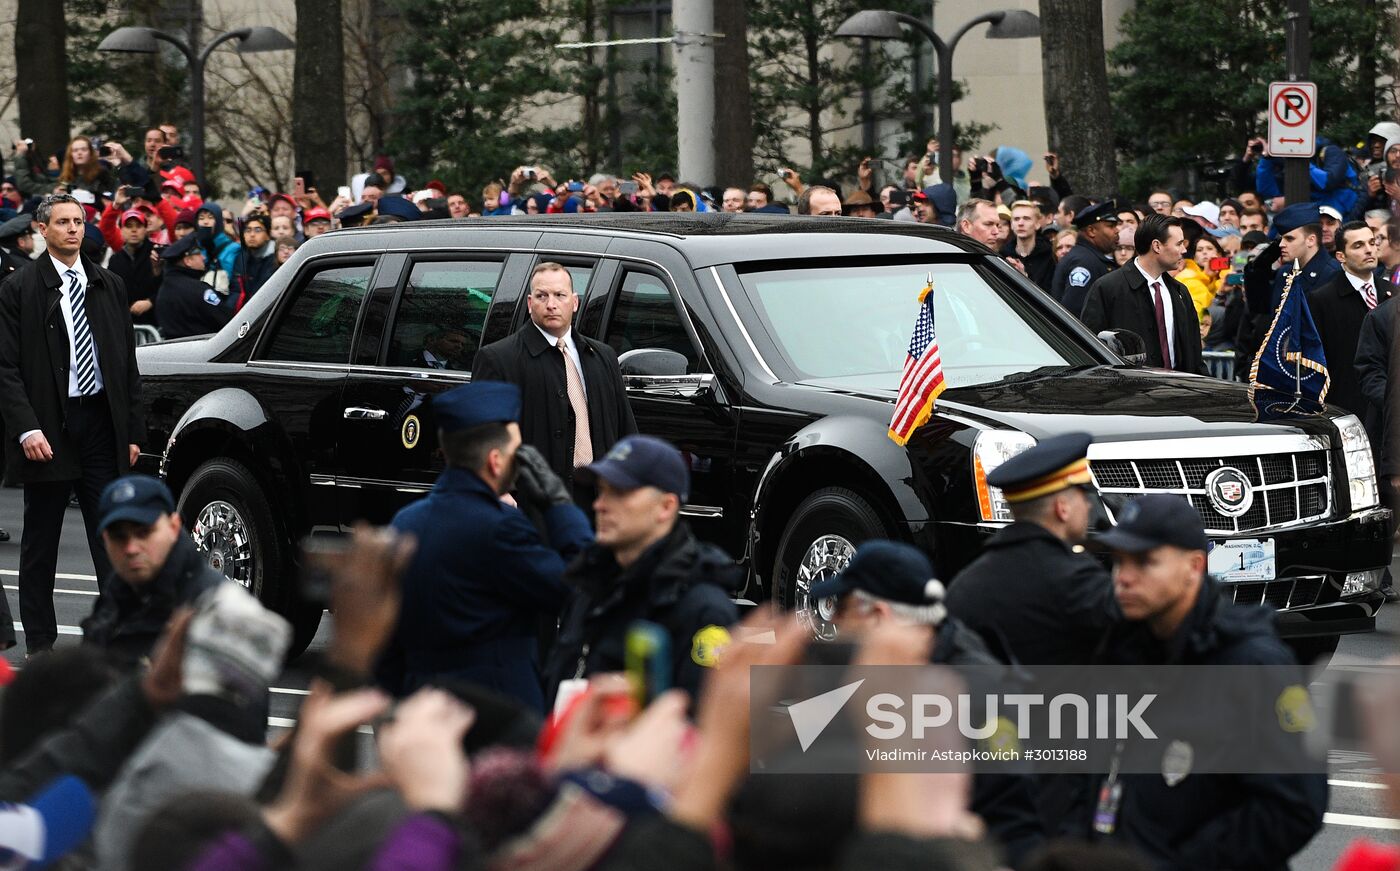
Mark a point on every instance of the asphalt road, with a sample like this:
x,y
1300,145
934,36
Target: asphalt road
x,y
1357,805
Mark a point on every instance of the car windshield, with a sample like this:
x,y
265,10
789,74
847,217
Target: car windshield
x,y
853,323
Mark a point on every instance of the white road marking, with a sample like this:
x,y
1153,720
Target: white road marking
x,y
287,723
64,575
1357,784
62,630
59,590
286,691
1360,822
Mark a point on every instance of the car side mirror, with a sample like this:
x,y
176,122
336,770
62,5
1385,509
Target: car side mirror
x,y
652,361
1126,344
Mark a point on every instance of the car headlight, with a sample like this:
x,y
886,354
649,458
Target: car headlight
x,y
1361,469
992,448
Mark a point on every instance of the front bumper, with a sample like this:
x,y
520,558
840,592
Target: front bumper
x,y
1318,557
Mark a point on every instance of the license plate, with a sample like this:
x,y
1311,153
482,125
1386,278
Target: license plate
x,y
1243,559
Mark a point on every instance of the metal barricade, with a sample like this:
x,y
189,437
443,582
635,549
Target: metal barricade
x,y
1220,364
146,334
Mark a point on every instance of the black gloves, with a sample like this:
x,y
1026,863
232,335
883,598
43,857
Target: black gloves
x,y
536,485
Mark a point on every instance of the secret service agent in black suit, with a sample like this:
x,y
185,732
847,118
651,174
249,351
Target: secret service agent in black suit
x,y
71,396
1124,300
1339,307
553,399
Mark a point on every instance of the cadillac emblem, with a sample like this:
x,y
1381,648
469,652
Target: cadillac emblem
x,y
1229,491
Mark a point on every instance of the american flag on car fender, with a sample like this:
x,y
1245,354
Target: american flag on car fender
x,y
923,374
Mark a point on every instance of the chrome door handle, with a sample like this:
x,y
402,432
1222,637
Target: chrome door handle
x,y
359,412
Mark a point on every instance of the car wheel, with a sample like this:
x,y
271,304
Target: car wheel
x,y
818,542
232,523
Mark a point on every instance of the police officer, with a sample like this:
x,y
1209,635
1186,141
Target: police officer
x,y
1090,258
889,581
646,565
1029,591
16,243
186,305
1174,615
155,569
482,575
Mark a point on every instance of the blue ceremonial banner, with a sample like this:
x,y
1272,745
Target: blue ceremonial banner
x,y
1291,359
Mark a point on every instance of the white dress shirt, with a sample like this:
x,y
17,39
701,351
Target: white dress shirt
x,y
1166,309
572,349
1356,285
65,303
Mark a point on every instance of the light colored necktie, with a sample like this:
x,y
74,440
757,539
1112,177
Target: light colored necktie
x,y
82,337
583,441
1368,293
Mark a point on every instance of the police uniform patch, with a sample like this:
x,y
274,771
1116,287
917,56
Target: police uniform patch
x,y
211,296
707,645
1004,740
1177,760
1294,709
410,431
1078,276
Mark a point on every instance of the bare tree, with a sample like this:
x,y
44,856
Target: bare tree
x,y
318,101
249,115
41,59
368,81
1078,119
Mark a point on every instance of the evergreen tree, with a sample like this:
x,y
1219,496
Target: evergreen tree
x,y
1190,79
475,69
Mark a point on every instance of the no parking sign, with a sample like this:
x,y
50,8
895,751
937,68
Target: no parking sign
x,y
1292,119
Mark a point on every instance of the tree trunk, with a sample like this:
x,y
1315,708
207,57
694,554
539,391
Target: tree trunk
x,y
1077,117
733,107
318,95
41,61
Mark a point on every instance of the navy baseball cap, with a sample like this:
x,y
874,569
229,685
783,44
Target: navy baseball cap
x,y
1157,519
477,403
890,570
139,499
641,461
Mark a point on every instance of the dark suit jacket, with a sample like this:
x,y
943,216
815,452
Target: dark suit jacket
x,y
526,359
1375,372
34,368
1338,311
1121,300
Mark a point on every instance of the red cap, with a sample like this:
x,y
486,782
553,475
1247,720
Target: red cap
x,y
186,217
180,173
173,184
316,213
134,214
275,197
438,186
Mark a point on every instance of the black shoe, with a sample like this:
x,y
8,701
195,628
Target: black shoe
x,y
1391,597
37,652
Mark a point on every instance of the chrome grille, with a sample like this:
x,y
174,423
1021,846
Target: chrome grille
x,y
1287,593
1289,488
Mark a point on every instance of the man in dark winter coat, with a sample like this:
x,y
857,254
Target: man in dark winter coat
x,y
186,305
1055,614
482,576
132,263
1378,373
155,569
16,244
888,581
1175,616
256,260
646,565
575,405
1035,252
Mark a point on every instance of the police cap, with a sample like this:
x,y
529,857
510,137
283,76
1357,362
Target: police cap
x,y
477,403
641,461
1157,519
350,216
16,227
890,570
1056,464
399,207
1294,216
180,247
1105,211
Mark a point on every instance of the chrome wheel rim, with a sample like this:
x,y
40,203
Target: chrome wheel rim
x,y
824,559
221,534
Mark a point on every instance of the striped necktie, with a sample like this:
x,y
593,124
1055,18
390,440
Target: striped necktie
x,y
86,368
1368,293
573,380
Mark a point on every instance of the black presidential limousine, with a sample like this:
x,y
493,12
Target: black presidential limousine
x,y
769,349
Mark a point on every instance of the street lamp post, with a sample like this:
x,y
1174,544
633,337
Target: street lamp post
x,y
143,40
884,24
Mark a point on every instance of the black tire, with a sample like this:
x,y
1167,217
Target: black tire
x,y
232,496
1314,651
834,512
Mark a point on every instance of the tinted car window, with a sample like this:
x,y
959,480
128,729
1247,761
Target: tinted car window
x,y
645,316
319,326
984,333
441,314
